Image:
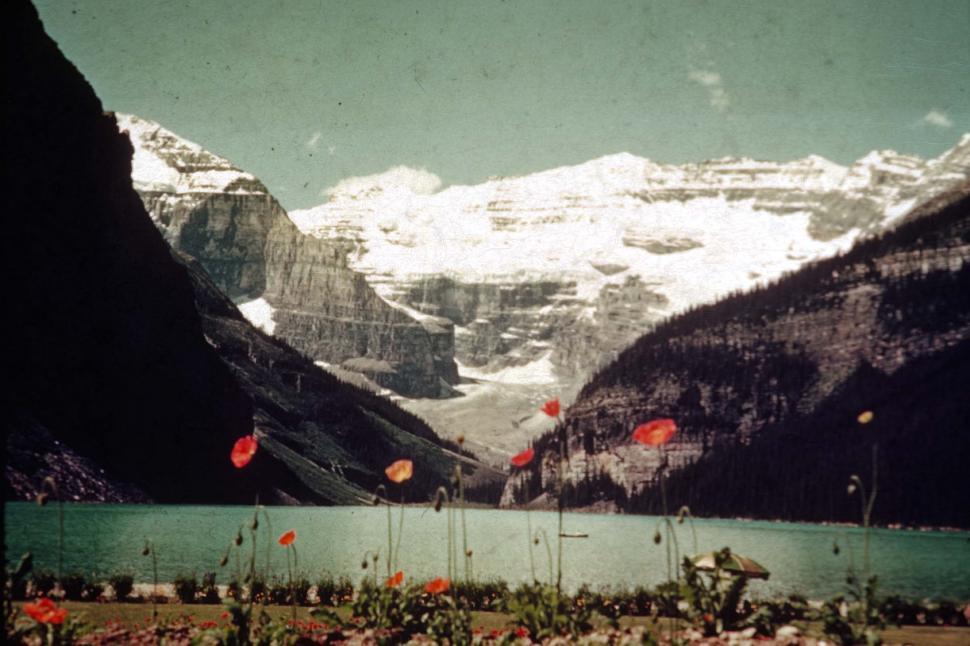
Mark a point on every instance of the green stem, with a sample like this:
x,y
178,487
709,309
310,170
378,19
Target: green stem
x,y
269,544
154,583
60,538
545,540
464,526
560,477
400,532
532,563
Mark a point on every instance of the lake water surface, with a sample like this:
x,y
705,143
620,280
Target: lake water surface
x,y
619,552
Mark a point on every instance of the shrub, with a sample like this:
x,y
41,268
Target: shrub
x,y
122,584
768,616
713,599
92,590
332,592
545,613
208,592
186,588
73,586
42,582
412,611
480,595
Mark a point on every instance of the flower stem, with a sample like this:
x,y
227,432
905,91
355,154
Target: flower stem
x,y
560,477
400,532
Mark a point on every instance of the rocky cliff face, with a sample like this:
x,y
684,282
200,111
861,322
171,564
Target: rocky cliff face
x,y
134,373
860,331
307,294
549,276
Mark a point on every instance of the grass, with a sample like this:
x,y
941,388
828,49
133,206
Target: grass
x,y
97,614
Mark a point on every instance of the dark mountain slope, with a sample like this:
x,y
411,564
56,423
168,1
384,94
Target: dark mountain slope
x,y
118,387
107,351
327,432
797,354
800,469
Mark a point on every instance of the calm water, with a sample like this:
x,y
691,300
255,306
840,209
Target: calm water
x,y
619,552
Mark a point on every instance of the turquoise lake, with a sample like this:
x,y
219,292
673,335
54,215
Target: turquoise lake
x,y
618,552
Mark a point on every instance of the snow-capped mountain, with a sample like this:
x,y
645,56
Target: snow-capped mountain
x,y
292,285
548,275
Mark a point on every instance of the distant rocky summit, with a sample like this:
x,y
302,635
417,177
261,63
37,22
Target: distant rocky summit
x,y
548,276
296,286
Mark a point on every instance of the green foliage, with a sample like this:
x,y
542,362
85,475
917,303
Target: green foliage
x,y
767,617
713,598
480,595
411,611
15,587
73,586
186,587
545,613
42,582
208,592
122,584
334,592
92,590
280,592
856,618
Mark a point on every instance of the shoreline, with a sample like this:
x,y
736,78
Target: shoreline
x,y
595,509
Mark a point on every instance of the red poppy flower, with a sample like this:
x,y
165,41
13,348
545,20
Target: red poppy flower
x,y
656,432
243,451
524,458
45,611
288,538
395,580
551,407
437,586
400,471
521,631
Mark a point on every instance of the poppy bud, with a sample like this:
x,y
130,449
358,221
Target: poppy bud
x,y
437,504
363,564
42,498
255,524
468,553
657,538
238,540
835,548
223,561
851,488
535,541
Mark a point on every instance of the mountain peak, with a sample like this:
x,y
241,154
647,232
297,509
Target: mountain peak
x,y
167,163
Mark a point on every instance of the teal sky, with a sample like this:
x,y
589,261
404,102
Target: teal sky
x,y
305,93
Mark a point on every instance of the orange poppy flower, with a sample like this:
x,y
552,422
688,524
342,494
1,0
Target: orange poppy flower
x,y
524,458
437,586
243,451
395,580
656,432
288,538
45,611
400,471
551,407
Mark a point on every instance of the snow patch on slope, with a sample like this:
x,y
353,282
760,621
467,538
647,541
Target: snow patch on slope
x,y
260,313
